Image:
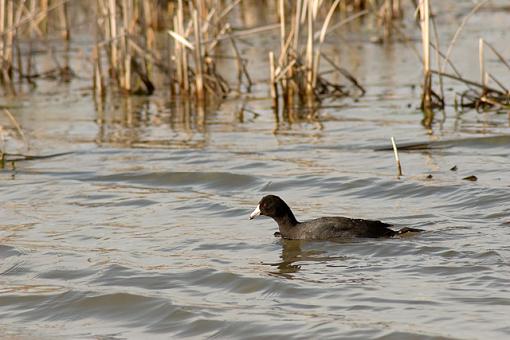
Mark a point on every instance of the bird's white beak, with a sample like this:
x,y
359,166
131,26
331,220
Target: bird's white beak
x,y
255,212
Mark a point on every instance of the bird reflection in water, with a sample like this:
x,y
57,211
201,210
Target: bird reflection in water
x,y
293,257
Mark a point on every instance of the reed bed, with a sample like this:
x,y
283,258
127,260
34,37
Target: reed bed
x,y
430,99
480,95
177,46
128,35
22,21
295,73
125,39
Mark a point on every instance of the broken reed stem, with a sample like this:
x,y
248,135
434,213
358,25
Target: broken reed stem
x,y
426,102
468,82
483,77
397,159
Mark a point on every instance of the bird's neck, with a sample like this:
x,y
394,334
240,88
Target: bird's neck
x,y
286,221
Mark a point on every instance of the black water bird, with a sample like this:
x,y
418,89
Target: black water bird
x,y
322,228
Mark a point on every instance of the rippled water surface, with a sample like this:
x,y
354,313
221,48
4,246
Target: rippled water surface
x,y
143,231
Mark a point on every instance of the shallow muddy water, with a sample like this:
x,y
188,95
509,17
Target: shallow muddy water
x,y
143,231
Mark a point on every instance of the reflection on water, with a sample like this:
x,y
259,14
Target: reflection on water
x,y
149,122
293,253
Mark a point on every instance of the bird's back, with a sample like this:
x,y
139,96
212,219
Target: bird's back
x,y
339,227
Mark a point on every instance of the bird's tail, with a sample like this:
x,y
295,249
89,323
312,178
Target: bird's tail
x,y
406,230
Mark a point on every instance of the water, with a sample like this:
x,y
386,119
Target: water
x,y
143,231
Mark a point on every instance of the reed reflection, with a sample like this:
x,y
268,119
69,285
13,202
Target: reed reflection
x,y
145,121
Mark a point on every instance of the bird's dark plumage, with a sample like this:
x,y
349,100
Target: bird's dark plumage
x,y
321,228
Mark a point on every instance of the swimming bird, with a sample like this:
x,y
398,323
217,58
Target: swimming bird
x,y
322,228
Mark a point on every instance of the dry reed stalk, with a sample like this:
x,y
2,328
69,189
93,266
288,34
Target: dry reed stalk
x,y
241,65
468,82
481,59
16,41
438,61
33,28
112,15
245,32
199,77
344,21
503,87
500,57
16,125
177,57
281,10
297,25
98,82
148,15
322,36
397,159
126,50
397,9
18,58
65,22
426,102
184,56
41,19
346,74
8,50
459,30
309,53
31,10
385,17
273,85
2,38
284,55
